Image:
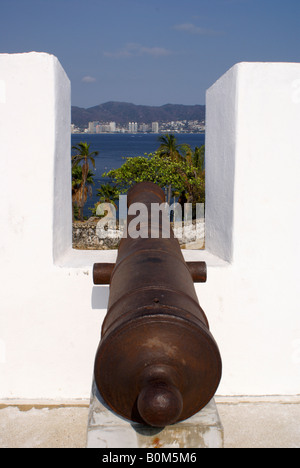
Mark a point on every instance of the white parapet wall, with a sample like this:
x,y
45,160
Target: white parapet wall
x,y
50,312
252,222
49,328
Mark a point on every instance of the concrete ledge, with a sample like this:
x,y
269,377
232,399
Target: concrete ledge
x,y
258,399
108,430
248,421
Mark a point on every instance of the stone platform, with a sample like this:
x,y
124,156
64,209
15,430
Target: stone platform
x,y
108,430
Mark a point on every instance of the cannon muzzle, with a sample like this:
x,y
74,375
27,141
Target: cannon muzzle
x,y
157,362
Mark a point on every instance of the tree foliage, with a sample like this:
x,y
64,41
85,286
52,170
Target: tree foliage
x,y
107,194
181,174
169,147
81,159
80,191
172,166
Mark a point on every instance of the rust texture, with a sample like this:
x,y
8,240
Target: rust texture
x,y
157,362
102,272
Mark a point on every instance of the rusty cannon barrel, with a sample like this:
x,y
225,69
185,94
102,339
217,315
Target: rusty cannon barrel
x,y
157,362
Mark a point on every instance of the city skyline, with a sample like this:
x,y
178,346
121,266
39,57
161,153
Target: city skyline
x,y
177,126
150,53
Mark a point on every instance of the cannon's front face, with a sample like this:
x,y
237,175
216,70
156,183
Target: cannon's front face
x,y
157,362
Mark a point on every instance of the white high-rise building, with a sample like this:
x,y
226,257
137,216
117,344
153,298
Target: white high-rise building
x,y
132,127
93,126
112,127
155,127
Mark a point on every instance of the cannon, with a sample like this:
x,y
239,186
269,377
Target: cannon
x,y
157,362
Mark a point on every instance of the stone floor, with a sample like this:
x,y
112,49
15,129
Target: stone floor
x,y
247,422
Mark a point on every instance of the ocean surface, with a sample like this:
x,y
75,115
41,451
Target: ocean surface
x,y
113,148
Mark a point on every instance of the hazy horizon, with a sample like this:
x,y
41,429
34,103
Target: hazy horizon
x,y
140,104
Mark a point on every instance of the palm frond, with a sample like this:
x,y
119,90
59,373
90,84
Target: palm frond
x,y
93,162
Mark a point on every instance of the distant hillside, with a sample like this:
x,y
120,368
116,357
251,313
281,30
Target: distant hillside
x,y
123,112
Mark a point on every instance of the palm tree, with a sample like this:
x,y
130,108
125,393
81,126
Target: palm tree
x,y
188,153
169,148
78,188
83,157
108,194
195,186
199,158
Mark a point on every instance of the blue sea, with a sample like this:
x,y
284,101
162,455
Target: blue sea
x,y
113,148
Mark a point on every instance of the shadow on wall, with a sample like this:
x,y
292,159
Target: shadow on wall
x,y
100,295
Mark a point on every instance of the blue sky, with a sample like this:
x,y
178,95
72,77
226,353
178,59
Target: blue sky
x,y
150,52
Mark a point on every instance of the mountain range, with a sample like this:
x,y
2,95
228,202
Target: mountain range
x,y
123,112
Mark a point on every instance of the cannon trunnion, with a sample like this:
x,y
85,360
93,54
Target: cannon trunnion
x,y
157,362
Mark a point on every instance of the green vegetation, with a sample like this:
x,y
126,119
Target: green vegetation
x,y
81,183
107,194
77,187
176,168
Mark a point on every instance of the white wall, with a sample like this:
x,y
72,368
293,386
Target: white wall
x,y
252,210
50,313
48,326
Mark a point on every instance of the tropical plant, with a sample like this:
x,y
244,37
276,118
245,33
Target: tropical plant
x,y
151,167
181,175
184,171
82,158
170,149
78,188
187,153
199,158
107,193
